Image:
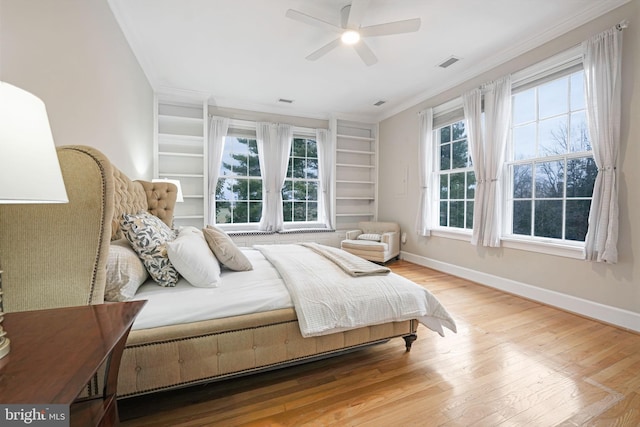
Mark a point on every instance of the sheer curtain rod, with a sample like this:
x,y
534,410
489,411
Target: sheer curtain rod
x,y
251,124
622,25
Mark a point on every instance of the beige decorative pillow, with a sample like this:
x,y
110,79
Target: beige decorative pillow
x,y
225,250
125,272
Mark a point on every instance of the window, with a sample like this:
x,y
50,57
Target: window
x,y
551,166
456,177
301,186
239,193
239,188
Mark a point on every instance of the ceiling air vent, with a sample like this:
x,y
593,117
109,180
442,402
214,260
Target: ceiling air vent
x,y
379,103
285,101
449,62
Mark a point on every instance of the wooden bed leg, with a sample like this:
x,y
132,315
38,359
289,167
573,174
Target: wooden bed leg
x,y
409,339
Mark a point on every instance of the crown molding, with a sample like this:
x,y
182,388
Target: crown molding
x,y
526,45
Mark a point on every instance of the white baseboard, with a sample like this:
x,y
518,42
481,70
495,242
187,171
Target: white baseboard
x,y
611,315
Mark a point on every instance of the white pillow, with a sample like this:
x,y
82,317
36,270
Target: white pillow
x,y
370,236
191,256
125,272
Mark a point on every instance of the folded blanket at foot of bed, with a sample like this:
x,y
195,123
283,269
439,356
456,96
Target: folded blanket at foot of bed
x,y
328,300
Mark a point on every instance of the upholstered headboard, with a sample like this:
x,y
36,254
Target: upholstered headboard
x,y
55,255
158,198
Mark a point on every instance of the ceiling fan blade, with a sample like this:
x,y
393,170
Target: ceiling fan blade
x,y
308,19
324,50
398,27
356,13
366,54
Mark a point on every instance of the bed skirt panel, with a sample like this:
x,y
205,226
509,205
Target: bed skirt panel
x,y
150,363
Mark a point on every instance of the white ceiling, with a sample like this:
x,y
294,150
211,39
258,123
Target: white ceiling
x,y
246,54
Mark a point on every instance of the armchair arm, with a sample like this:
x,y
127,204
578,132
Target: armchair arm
x,y
353,234
392,239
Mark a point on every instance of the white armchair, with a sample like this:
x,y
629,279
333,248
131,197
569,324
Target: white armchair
x,y
374,241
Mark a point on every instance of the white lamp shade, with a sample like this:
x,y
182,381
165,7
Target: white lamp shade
x,y
29,167
175,182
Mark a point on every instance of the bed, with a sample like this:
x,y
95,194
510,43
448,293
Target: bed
x,y
207,322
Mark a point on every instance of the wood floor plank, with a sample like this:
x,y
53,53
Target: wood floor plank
x,y
513,362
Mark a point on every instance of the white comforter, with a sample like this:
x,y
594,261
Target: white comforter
x,y
329,300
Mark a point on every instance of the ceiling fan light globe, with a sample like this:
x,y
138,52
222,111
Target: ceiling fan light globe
x,y
350,37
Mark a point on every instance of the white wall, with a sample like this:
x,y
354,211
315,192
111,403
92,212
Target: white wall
x,y
617,287
73,55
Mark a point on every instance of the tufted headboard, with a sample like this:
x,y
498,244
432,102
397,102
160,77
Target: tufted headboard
x,y
54,255
158,198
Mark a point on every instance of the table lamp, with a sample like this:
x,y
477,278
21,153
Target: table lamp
x,y
29,167
176,182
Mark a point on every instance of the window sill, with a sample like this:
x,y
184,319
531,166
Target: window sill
x,y
544,246
448,233
246,229
306,230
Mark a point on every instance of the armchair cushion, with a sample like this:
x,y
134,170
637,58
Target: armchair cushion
x,y
373,237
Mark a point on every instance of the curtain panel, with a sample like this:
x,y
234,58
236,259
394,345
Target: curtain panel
x,y
325,156
274,146
218,128
497,107
472,105
602,58
425,173
488,150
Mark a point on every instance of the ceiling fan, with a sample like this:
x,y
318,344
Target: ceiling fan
x,y
351,33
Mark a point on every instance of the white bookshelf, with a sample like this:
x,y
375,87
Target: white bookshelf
x,y
356,165
181,153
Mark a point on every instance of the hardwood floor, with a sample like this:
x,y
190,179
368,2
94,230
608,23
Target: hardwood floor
x,y
513,362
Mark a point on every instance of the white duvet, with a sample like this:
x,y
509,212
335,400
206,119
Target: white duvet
x,y
325,297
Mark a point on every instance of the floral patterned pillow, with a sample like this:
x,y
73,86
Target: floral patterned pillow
x,y
148,236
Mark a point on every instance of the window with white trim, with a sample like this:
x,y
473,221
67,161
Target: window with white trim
x,y
239,192
239,188
302,184
455,177
551,170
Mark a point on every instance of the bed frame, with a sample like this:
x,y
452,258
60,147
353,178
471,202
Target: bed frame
x,y
55,256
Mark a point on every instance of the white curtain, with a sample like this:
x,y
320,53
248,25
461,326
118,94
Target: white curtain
x,y
497,110
472,105
218,127
488,154
425,173
602,63
274,145
325,150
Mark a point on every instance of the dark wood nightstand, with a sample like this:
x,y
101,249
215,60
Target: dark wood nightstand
x,y
55,353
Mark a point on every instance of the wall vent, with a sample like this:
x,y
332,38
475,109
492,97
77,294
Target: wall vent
x,y
285,101
449,62
379,103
